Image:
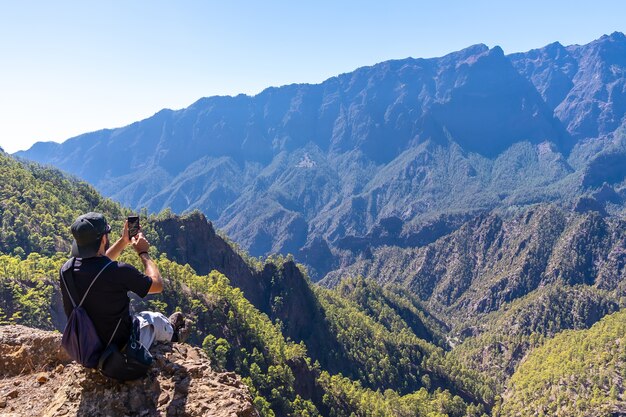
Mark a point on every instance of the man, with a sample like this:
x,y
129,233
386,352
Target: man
x,y
107,300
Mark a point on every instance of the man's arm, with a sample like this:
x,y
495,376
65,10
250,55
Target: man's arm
x,y
141,246
118,247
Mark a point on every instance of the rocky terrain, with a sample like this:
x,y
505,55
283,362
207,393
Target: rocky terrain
x,y
494,259
38,379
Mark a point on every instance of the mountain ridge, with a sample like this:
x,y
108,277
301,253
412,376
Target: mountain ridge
x,y
308,168
492,260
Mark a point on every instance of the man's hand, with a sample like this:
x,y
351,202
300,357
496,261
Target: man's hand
x,y
118,247
139,242
141,246
125,237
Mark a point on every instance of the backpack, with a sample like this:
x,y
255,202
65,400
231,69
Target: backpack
x,y
80,339
131,364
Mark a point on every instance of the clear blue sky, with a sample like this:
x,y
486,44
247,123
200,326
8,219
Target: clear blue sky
x,y
70,67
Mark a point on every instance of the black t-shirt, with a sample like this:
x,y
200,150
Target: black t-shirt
x,y
107,300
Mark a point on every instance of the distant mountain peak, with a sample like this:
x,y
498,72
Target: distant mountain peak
x,y
478,48
497,50
463,54
616,36
613,43
554,48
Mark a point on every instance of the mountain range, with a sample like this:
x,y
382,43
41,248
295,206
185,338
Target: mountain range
x,y
399,153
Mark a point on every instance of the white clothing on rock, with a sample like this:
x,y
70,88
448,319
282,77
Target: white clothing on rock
x,y
153,327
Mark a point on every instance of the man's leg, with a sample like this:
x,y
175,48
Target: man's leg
x,y
181,325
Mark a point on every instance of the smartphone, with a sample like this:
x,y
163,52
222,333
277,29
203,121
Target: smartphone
x,y
133,226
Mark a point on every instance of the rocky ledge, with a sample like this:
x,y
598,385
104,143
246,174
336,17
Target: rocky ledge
x,y
38,379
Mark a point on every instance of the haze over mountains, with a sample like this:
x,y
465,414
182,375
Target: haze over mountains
x,y
399,153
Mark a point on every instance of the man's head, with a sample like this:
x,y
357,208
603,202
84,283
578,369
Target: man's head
x,y
88,231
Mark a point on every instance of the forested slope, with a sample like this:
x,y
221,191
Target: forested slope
x,y
495,259
578,373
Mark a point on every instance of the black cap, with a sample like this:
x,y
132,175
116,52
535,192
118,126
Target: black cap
x,y
88,230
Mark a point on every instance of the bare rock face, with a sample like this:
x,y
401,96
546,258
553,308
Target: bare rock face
x,y
191,239
38,379
26,350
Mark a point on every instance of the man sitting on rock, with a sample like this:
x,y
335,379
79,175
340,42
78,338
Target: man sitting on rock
x,y
107,300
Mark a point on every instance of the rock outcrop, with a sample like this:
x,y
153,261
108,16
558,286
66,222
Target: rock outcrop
x,y
38,379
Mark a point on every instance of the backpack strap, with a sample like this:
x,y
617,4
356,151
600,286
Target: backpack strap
x,y
114,331
92,282
72,284
63,280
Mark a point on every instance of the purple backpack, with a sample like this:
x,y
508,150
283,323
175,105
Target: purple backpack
x,y
80,339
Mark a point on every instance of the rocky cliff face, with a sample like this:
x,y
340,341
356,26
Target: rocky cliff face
x,y
583,84
279,289
192,240
38,379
